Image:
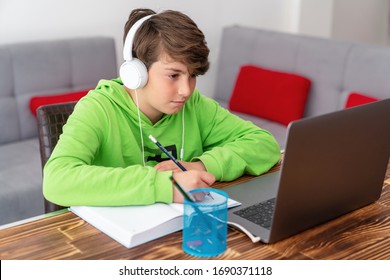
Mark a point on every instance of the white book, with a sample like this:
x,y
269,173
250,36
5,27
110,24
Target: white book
x,y
134,225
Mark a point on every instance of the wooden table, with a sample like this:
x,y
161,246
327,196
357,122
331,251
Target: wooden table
x,y
362,234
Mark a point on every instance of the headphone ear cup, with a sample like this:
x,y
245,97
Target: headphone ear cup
x,y
134,74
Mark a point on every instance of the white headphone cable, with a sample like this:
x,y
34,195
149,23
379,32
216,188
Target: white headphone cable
x,y
141,134
182,133
140,128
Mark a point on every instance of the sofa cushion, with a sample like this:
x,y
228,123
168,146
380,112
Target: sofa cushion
x,y
20,181
279,131
356,99
37,101
9,122
273,95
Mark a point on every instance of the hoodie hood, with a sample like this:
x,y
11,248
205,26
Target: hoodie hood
x,y
114,91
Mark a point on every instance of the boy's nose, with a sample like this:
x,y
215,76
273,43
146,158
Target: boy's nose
x,y
185,88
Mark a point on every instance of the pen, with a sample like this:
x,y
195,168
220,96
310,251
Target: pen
x,y
154,140
167,153
181,190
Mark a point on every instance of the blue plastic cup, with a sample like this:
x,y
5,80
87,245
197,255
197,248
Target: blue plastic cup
x,y
205,224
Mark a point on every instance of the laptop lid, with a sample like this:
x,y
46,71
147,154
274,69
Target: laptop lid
x,y
333,164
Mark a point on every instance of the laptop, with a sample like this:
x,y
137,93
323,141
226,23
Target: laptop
x,y
333,164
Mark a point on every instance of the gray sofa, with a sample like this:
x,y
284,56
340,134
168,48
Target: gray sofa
x,y
30,69
335,68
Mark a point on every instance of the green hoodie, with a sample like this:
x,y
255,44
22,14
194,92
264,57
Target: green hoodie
x,y
98,158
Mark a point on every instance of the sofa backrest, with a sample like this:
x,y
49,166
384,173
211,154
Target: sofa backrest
x,y
335,68
44,68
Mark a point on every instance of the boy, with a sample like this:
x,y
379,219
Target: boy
x,y
104,156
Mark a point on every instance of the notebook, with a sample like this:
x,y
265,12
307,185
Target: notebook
x,y
134,225
333,164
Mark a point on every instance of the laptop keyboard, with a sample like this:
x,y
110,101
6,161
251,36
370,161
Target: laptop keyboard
x,y
260,213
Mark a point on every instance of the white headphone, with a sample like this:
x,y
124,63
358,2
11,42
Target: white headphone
x,y
133,71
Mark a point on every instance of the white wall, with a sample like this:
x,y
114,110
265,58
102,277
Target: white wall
x,y
31,20
361,21
316,18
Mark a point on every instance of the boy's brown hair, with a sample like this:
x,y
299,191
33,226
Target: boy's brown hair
x,y
172,33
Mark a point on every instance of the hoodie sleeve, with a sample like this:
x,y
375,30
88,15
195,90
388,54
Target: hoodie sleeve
x,y
233,146
81,172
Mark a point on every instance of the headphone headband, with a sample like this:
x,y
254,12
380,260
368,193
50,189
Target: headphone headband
x,y
128,47
133,71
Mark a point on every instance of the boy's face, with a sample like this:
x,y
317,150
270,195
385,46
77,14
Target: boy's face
x,y
169,87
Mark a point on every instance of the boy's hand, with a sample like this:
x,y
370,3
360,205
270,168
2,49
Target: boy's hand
x,y
189,180
169,165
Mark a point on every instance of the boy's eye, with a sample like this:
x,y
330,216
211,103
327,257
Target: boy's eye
x,y
173,76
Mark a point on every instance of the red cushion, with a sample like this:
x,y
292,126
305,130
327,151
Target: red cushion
x,y
356,99
273,95
37,101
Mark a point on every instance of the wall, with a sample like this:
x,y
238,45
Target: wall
x,y
362,21
26,20
366,21
354,20
316,17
